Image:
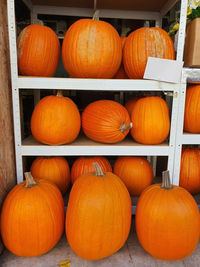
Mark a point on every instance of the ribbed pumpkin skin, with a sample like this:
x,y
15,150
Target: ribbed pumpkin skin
x,y
55,121
121,74
190,170
135,172
38,51
32,219
150,118
130,104
53,169
91,49
98,216
167,222
101,121
192,109
144,43
84,165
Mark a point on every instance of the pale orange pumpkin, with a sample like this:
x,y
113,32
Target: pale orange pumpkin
x,y
143,43
38,51
55,120
121,74
98,218
91,49
53,169
83,165
32,217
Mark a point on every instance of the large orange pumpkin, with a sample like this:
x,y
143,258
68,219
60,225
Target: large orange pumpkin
x,y
144,43
190,170
167,221
55,120
121,74
135,172
192,109
91,49
150,118
38,51
98,216
105,121
130,104
83,165
32,217
54,169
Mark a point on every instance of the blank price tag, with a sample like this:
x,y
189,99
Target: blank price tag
x,y
164,70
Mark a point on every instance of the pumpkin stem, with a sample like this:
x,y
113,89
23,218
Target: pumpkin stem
x,y
123,127
59,93
98,170
96,15
30,182
166,180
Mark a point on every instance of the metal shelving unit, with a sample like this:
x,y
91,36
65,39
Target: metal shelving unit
x,y
151,10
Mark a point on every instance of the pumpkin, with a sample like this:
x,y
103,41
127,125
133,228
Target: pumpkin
x,y
83,165
55,120
121,74
54,169
91,49
130,104
98,216
105,121
190,170
143,43
135,172
167,221
32,217
38,51
151,122
192,109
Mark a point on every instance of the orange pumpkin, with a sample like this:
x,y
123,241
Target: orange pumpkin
x,y
98,216
151,122
54,169
38,51
32,217
121,74
190,170
105,121
192,109
130,104
83,165
144,43
135,172
55,120
167,221
91,49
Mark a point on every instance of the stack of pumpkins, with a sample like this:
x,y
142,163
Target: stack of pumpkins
x,y
98,217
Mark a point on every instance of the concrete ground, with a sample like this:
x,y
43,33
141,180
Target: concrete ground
x,y
131,255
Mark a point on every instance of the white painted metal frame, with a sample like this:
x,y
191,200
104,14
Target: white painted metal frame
x,y
86,84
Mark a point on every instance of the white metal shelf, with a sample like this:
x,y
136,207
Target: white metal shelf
x,y
190,139
84,146
24,82
192,74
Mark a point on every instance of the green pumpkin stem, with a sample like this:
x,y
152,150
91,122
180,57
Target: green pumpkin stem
x,y
30,182
166,180
98,170
96,15
123,127
59,93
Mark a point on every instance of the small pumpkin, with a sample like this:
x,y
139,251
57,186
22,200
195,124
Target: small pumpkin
x,y
135,172
143,43
91,49
55,120
83,165
53,169
130,104
167,221
190,170
38,51
98,216
151,122
106,121
32,217
192,109
121,74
